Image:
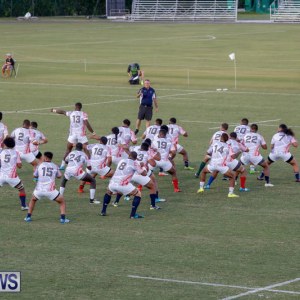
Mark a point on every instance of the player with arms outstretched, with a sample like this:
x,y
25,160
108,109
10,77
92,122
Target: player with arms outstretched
x,y
280,146
10,160
77,133
46,172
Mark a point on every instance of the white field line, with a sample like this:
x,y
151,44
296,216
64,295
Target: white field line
x,y
188,99
211,284
259,122
267,288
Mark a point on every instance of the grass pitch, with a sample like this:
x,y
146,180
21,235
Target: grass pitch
x,y
251,241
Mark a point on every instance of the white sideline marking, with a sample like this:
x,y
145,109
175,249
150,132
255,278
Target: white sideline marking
x,y
261,289
215,284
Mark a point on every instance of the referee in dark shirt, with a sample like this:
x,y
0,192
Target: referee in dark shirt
x,y
147,96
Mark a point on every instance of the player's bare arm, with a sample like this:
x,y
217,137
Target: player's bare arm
x,y
58,111
295,144
173,154
89,127
95,137
265,146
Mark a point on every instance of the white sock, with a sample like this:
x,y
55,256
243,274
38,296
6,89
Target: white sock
x,y
252,167
61,190
201,184
92,194
63,163
231,190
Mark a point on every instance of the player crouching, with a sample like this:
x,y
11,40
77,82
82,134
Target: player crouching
x,y
120,183
46,172
218,152
9,160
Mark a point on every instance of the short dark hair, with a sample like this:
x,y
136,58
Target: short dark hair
x,y
254,127
159,121
9,142
48,155
127,122
163,132
165,127
78,104
225,126
246,121
225,137
34,124
233,134
145,146
133,155
79,146
173,120
26,122
0,115
103,139
148,141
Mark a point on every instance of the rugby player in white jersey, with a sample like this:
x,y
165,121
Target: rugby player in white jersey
x,y
165,148
23,137
241,131
47,172
218,151
77,133
235,149
100,161
127,134
175,131
10,160
215,138
39,139
75,160
280,145
120,183
3,131
148,181
253,141
152,130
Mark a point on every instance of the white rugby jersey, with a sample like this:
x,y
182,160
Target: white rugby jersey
x,y
127,134
234,147
77,126
282,142
3,132
217,136
142,155
99,155
151,153
76,159
219,152
241,131
113,144
175,130
253,141
9,159
124,171
46,173
164,146
23,137
151,132
37,135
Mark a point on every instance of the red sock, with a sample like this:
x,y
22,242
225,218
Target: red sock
x,y
175,183
81,187
243,181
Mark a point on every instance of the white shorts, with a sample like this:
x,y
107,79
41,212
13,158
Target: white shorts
x,y
179,148
29,157
50,195
101,172
13,182
247,159
68,175
124,189
116,160
77,139
165,164
234,165
222,170
283,156
143,180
